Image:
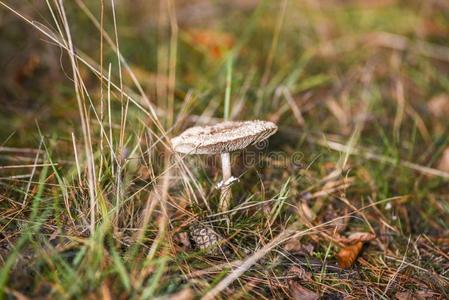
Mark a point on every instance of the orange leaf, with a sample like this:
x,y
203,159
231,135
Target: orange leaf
x,y
347,256
214,43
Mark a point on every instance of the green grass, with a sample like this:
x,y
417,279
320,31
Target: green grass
x,y
94,203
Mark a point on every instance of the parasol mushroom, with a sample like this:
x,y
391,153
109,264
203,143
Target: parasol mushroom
x,y
222,139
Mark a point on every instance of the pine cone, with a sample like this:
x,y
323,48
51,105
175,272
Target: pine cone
x,y
204,237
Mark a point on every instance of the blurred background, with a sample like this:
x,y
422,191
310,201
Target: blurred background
x,y
331,54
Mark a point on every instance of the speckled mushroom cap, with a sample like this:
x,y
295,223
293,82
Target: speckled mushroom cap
x,y
223,137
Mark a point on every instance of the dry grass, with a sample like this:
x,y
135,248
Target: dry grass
x,y
94,203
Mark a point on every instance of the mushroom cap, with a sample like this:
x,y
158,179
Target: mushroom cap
x,y
223,137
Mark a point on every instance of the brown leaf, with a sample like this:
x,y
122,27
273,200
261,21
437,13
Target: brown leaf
x,y
347,256
443,164
296,247
357,237
299,292
339,219
293,245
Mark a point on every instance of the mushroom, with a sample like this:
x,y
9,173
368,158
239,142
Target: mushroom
x,y
222,139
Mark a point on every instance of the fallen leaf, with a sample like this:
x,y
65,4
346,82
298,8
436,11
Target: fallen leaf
x,y
299,292
296,247
347,255
293,246
339,220
443,164
214,43
357,237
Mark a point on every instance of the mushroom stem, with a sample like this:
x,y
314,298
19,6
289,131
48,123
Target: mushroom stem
x,y
225,197
226,166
